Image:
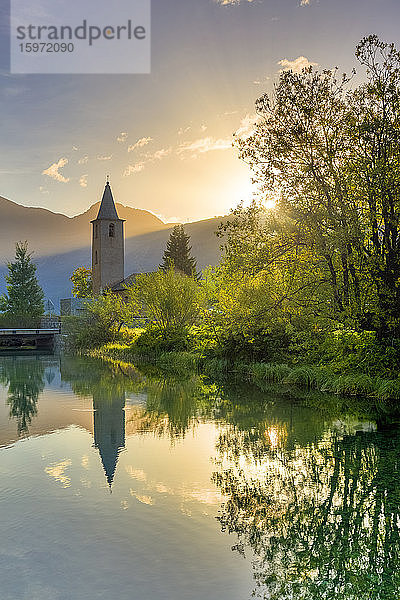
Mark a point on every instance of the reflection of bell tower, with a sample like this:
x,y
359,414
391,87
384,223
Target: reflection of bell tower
x,y
109,430
107,245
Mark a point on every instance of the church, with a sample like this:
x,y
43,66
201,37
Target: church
x,y
108,255
108,248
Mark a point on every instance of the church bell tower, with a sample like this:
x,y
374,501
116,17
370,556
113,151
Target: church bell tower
x,y
107,245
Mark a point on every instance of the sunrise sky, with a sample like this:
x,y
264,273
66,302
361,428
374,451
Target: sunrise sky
x,y
165,138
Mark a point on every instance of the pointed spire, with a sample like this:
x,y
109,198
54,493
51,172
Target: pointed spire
x,y
107,208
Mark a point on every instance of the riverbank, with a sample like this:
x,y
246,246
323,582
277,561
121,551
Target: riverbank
x,y
260,374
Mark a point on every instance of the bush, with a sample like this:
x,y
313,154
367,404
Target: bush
x,y
351,352
177,362
255,343
84,332
156,341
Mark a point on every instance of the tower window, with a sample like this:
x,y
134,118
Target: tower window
x,y
96,230
111,230
95,258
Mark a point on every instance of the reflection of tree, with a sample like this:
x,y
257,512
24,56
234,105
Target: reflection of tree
x,y
25,381
175,405
321,519
88,377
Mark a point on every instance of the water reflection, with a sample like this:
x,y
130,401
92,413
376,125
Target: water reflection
x,y
24,378
109,430
320,518
310,484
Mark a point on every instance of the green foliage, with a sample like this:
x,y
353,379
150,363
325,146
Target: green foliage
x,y
330,156
177,253
82,285
101,322
177,362
154,341
349,351
23,304
84,332
269,373
170,300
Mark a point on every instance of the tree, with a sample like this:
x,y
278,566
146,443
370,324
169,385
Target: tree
x,y
82,286
330,155
169,299
177,253
101,320
24,300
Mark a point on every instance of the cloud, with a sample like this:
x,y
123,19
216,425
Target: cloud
x,y
104,157
122,137
296,65
53,171
203,145
140,143
83,160
131,169
159,154
230,2
183,130
149,158
247,126
261,81
83,181
43,190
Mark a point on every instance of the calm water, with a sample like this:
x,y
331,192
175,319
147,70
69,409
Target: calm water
x,y
119,485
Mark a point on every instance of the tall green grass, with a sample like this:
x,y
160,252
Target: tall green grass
x,y
177,362
269,372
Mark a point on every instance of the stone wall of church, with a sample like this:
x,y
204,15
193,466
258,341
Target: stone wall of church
x,y
107,254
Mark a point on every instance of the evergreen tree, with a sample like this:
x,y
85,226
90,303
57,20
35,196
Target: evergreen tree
x,y
24,298
177,253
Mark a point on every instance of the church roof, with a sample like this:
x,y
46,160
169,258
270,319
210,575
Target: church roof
x,y
121,285
128,281
107,208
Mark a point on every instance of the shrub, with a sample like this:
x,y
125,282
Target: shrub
x,y
156,341
85,332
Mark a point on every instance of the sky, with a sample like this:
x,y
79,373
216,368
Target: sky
x,y
165,139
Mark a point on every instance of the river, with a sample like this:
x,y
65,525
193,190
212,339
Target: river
x,y
118,483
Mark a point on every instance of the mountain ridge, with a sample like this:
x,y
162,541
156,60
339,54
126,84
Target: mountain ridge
x,y
60,243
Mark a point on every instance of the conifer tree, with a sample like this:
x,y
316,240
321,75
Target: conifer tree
x,y
177,253
24,298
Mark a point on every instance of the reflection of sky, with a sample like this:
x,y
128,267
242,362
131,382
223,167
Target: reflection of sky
x,y
209,64
155,536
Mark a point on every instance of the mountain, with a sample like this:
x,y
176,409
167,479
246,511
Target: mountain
x,y
62,243
50,233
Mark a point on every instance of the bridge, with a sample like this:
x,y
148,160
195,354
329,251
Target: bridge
x,y
28,339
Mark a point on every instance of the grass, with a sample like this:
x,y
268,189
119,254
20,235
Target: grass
x,y
177,362
269,372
